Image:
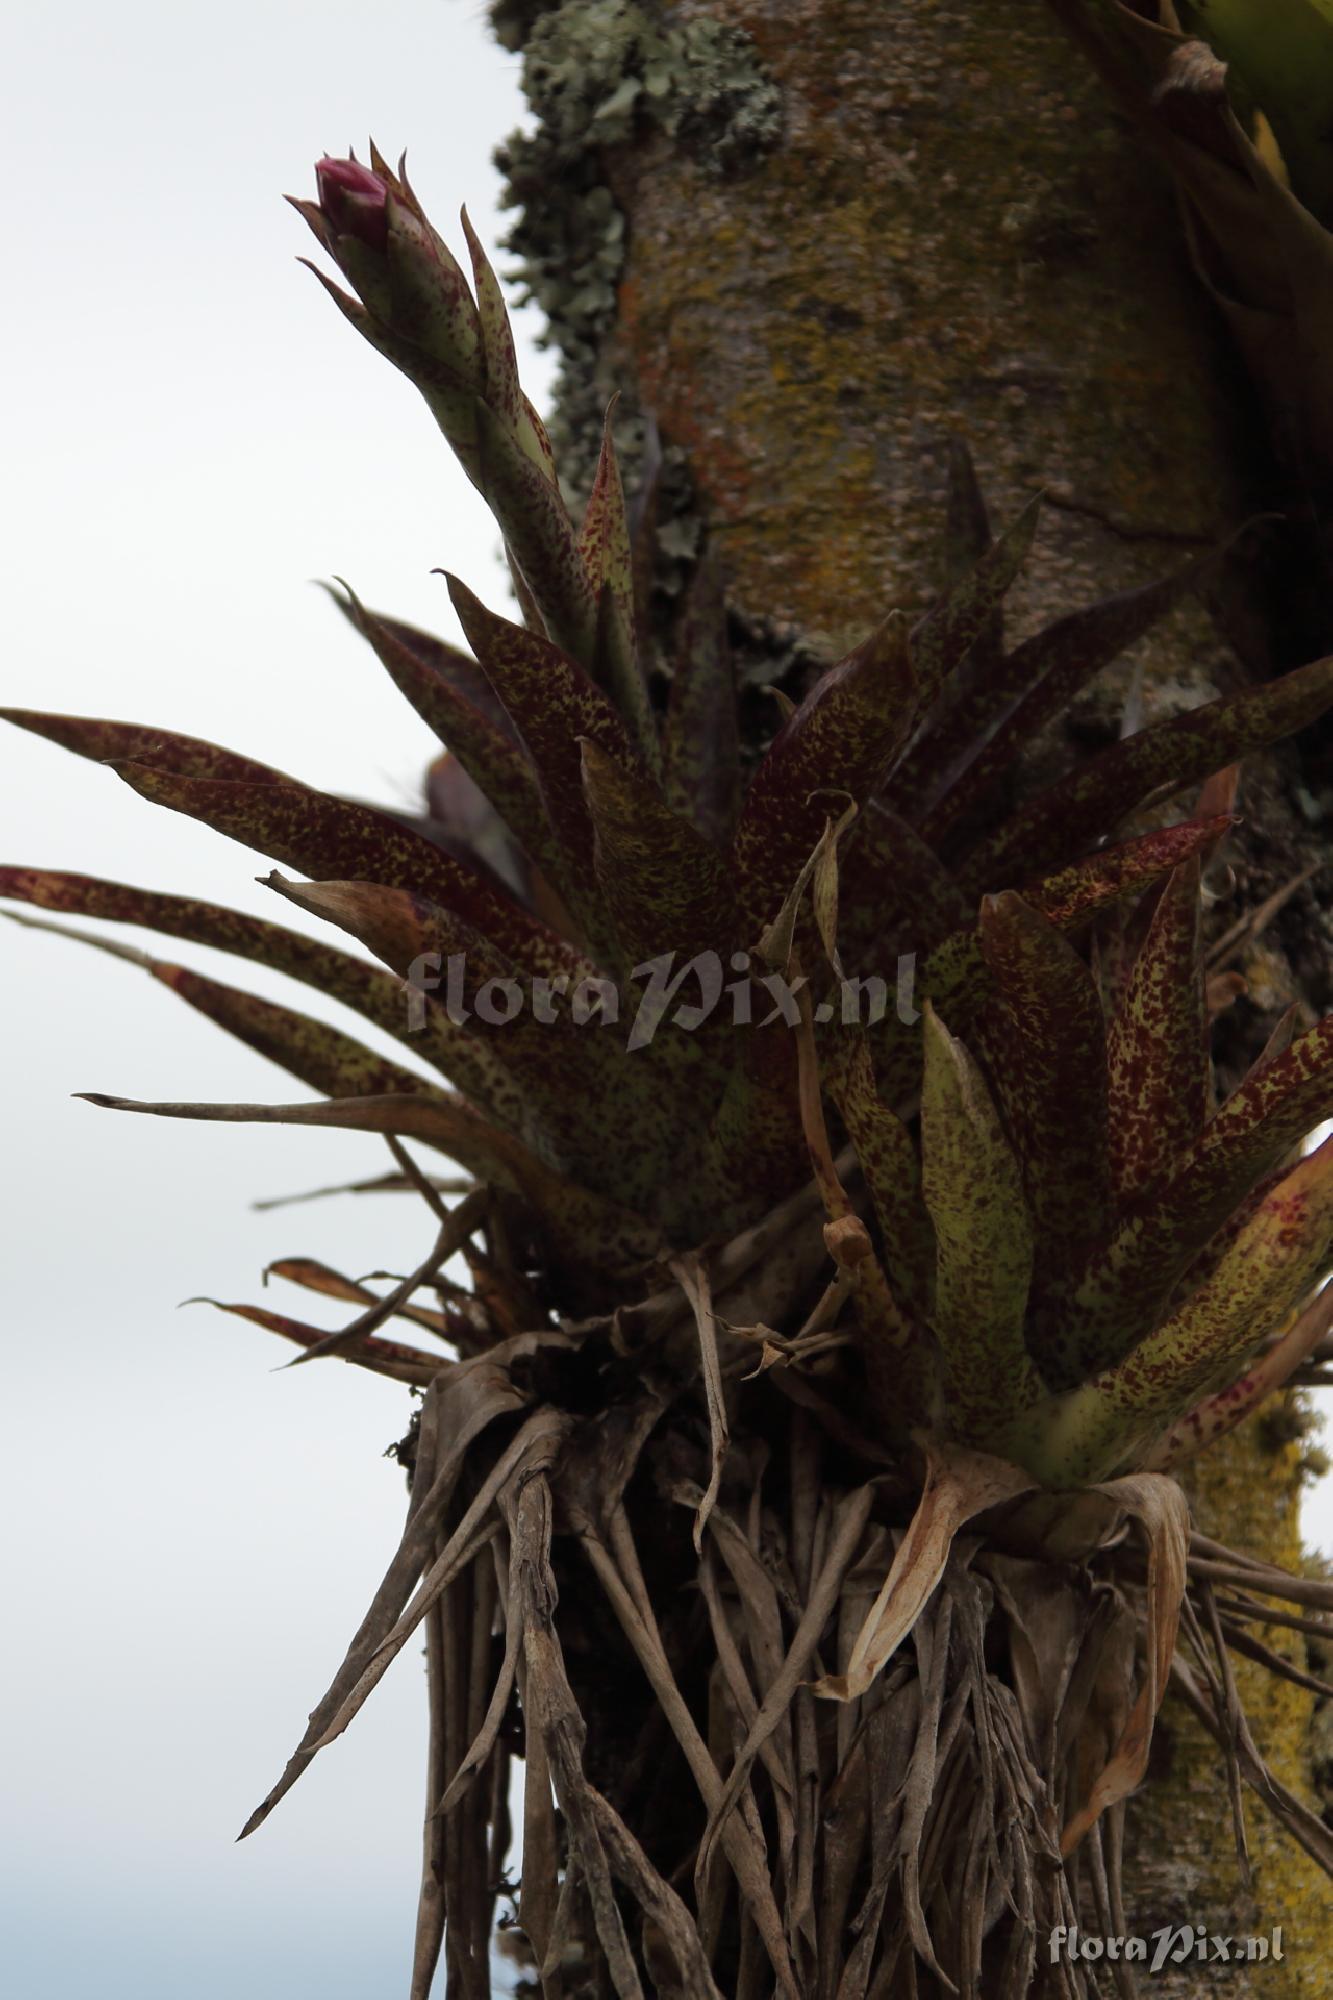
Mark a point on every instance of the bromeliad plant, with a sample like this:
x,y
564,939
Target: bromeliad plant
x,y
702,1345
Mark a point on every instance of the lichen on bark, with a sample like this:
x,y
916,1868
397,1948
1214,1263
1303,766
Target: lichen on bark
x,y
598,75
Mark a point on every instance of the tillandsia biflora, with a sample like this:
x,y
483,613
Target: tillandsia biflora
x,y
856,1239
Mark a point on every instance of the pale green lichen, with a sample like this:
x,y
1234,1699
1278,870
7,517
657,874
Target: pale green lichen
x,y
597,74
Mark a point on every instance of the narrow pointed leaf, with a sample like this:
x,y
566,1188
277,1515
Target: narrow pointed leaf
x,y
477,732
945,636
967,530
1157,1045
984,1246
439,660
1121,1293
1218,1414
115,742
842,739
559,1087
1050,1067
327,837
499,360
314,1276
955,973
400,1362
1072,895
892,1173
604,543
311,1050
1123,1413
371,992
667,888
540,537
552,702
1039,680
419,941
1090,801
320,1056
582,1227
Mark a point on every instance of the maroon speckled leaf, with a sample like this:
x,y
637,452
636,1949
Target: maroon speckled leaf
x,y
1071,895
1047,1052
330,838
499,360
113,742
540,538
400,1362
561,1088
666,886
897,893
604,544
1157,1045
317,1054
953,973
1036,684
552,702
373,993
889,1163
450,663
841,740
477,732
968,608
1121,1293
1095,798
1283,1250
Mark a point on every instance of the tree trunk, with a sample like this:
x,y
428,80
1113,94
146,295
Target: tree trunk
x,y
808,251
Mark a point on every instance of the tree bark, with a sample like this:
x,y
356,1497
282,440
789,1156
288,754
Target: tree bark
x,y
831,241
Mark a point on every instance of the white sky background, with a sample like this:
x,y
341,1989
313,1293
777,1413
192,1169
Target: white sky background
x,y
190,435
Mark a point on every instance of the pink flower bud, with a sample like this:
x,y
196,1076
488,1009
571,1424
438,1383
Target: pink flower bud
x,y
354,201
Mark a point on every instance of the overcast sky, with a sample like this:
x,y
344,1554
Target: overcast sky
x,y
191,435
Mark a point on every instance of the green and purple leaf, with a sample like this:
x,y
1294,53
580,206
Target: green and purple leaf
x,y
604,544
1111,1420
984,1239
551,702
971,604
336,839
667,887
892,1173
592,1233
556,1086
842,739
375,994
1048,1049
1157,1045
107,742
1127,1281
1034,686
1084,806
468,718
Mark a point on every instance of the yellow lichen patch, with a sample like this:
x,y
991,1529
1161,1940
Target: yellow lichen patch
x,y
947,238
1183,1864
